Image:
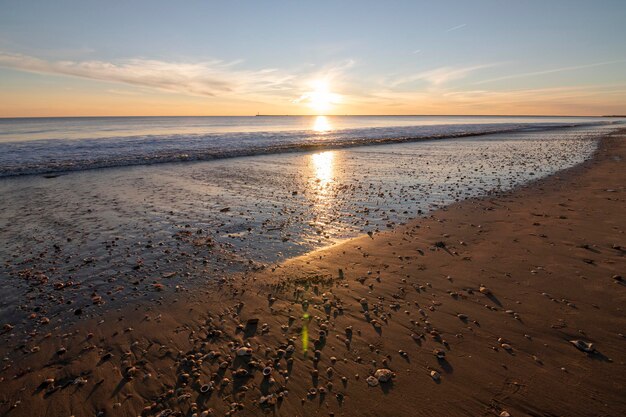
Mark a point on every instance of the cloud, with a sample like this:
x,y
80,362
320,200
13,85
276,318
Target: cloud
x,y
213,78
593,99
206,78
550,71
281,90
440,76
456,27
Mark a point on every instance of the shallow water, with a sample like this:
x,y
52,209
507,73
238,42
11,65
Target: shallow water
x,y
114,233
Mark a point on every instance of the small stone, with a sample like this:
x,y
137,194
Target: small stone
x,y
439,353
383,375
371,381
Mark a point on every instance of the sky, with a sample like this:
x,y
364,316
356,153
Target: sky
x,y
136,58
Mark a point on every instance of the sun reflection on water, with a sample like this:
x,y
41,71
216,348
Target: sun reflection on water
x,y
322,124
322,164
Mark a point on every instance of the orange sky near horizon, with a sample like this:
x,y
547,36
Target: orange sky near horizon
x,y
112,100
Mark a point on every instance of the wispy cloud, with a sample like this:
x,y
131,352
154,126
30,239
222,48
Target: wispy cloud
x,y
208,78
456,27
549,71
282,89
595,99
122,92
441,75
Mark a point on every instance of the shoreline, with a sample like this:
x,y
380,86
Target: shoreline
x,y
313,144
556,235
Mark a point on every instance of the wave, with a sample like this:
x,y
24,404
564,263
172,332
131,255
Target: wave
x,y
50,156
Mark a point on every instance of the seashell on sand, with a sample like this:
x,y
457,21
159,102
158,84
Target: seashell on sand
x,y
583,346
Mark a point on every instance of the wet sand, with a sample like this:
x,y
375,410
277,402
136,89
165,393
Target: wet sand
x,y
496,287
109,235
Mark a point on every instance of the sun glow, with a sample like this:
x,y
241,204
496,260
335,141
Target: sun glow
x,y
321,124
321,99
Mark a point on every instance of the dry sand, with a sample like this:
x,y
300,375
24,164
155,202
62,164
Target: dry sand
x,y
549,258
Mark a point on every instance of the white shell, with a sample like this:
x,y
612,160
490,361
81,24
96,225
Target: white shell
x,y
582,345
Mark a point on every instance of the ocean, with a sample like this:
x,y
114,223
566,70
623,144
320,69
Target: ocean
x,y
50,145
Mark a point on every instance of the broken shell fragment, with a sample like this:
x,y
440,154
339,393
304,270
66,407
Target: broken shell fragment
x,y
244,351
583,346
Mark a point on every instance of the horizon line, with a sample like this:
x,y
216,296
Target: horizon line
x,y
314,115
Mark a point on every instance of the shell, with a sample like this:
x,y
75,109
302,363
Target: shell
x,y
244,351
582,345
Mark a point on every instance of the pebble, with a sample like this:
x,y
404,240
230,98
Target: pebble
x,y
372,381
383,375
439,353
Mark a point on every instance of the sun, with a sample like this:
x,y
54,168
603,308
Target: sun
x,y
321,99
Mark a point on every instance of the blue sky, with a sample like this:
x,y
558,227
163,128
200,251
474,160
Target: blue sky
x,y
236,57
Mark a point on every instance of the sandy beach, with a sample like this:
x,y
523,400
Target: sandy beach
x,y
469,311
299,209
